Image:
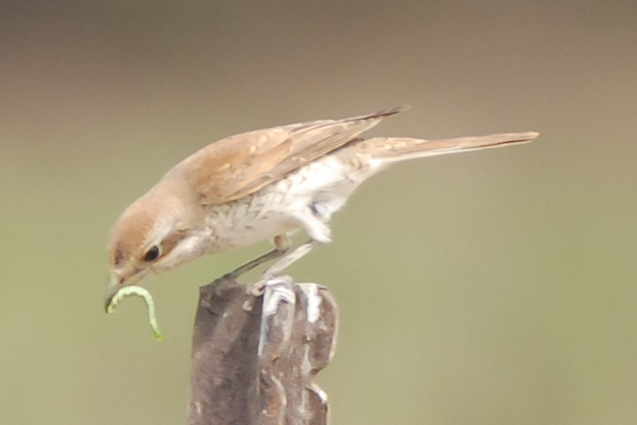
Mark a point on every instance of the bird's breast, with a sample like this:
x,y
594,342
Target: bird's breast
x,y
276,208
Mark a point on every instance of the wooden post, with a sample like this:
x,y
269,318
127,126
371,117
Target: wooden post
x,y
254,359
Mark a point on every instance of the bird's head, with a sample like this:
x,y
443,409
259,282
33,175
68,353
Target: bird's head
x,y
153,235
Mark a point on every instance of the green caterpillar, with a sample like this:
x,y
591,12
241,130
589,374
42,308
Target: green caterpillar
x,y
141,292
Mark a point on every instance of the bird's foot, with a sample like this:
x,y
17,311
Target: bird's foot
x,y
257,288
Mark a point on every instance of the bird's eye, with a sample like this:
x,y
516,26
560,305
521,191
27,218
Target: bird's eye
x,y
152,254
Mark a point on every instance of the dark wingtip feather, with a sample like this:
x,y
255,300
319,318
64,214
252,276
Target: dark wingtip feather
x,y
390,112
382,114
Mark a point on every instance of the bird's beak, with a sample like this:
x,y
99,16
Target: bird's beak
x,y
111,289
117,282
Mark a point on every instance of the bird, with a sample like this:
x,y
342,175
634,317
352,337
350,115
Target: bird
x,y
263,184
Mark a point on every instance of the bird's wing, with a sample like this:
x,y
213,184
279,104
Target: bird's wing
x,y
242,164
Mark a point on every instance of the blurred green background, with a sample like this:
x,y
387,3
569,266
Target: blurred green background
x,y
495,287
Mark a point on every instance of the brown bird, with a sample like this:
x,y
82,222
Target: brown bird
x,y
259,185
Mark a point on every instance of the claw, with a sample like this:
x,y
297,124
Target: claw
x,y
258,288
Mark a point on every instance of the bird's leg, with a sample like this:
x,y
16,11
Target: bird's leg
x,y
278,267
285,262
313,219
282,244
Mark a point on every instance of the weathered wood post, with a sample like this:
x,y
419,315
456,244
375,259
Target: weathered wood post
x,y
254,359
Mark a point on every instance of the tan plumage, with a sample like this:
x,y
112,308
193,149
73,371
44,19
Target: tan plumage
x,y
262,184
240,165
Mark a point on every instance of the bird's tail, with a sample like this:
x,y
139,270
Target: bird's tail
x,y
390,149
